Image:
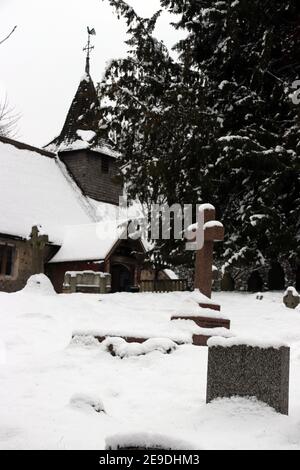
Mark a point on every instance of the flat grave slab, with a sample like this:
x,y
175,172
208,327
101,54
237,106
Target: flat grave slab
x,y
205,322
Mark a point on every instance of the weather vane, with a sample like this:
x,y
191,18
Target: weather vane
x,y
89,48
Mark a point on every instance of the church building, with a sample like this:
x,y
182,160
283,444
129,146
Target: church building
x,y
59,205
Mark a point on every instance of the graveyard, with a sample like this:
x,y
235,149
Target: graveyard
x,y
59,392
150,227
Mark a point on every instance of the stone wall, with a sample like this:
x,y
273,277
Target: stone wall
x,y
22,266
86,168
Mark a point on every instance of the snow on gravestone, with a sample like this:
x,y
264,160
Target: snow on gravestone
x,y
238,367
291,298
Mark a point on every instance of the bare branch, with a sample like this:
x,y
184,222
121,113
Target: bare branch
x,y
8,120
7,37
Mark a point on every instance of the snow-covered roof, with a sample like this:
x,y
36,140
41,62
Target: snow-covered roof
x,y
35,191
173,276
89,242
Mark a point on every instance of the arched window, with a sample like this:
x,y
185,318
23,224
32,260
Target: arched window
x,y
7,257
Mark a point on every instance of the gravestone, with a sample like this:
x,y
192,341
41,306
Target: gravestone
x,y
213,231
291,298
236,368
38,243
87,282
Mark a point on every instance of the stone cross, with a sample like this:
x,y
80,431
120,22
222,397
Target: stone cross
x,y
38,244
213,231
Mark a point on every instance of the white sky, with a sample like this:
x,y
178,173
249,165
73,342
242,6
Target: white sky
x,y
42,63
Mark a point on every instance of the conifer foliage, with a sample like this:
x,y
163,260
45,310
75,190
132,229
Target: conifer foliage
x,y
219,124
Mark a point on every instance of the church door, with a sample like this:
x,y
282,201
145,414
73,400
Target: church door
x,y
122,278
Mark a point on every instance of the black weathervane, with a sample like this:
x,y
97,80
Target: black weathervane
x,y
88,49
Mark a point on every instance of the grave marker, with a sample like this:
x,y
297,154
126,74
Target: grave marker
x,y
291,298
213,231
237,368
38,243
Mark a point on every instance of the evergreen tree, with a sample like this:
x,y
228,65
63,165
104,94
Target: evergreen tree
x,y
159,117
219,124
248,51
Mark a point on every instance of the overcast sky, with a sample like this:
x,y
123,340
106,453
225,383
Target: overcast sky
x,y
42,63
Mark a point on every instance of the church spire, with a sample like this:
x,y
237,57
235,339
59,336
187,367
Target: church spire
x,y
81,129
88,48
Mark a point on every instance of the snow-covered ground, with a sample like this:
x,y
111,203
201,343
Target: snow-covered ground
x,y
52,390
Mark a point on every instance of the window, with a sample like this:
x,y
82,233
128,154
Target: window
x,y
105,165
7,255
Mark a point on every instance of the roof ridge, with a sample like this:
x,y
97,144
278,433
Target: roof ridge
x,y
22,146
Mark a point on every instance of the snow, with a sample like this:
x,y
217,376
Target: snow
x,y
87,242
213,224
291,290
39,284
44,197
207,225
78,144
95,273
86,136
49,383
245,341
205,312
85,78
206,207
85,141
119,347
198,297
105,149
86,402
171,274
94,241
